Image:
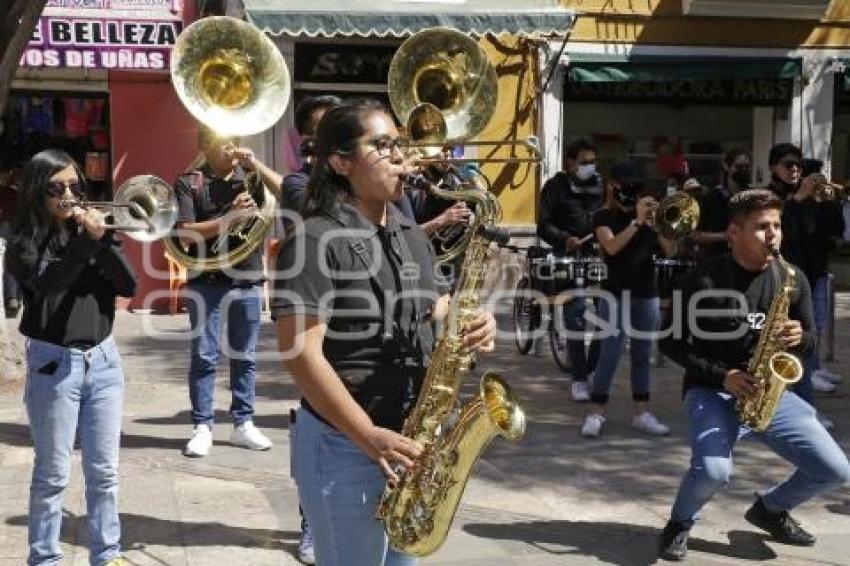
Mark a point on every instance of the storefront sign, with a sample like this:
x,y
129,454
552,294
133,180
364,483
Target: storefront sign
x,y
323,63
101,44
731,91
172,5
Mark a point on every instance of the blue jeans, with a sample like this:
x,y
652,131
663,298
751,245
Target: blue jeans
x,y
242,318
638,313
582,359
340,487
795,434
70,391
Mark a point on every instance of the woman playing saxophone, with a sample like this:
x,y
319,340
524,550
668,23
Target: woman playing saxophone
x,y
357,353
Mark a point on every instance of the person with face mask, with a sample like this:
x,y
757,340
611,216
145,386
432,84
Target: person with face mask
x,y
568,202
710,235
625,229
811,226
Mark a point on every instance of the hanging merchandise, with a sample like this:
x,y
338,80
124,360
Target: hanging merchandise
x,y
38,115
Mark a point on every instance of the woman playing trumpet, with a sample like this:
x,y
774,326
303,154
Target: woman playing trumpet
x,y
70,270
625,230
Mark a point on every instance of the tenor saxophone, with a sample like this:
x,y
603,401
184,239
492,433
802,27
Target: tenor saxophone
x,y
418,510
773,368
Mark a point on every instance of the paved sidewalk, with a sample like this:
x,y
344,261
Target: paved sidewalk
x,y
552,499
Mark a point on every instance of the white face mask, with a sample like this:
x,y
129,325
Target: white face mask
x,y
585,172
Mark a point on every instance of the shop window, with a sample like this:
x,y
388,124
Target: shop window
x,y
668,142
75,122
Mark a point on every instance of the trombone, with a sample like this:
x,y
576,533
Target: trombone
x,y
145,207
430,152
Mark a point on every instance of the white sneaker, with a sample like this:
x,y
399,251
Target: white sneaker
x,y
825,422
580,392
821,384
306,554
248,436
828,375
647,423
592,425
200,443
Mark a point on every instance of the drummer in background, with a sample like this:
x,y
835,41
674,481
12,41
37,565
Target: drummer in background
x,y
625,229
567,205
714,206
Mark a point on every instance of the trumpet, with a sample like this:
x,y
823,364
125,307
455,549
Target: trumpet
x,y
145,207
676,216
825,190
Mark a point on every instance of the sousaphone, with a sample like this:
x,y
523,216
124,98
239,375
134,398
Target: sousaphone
x,y
233,79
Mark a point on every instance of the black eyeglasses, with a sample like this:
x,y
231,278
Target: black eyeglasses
x,y
587,162
385,144
790,163
57,188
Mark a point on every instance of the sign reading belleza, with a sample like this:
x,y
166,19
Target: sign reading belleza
x,y
101,44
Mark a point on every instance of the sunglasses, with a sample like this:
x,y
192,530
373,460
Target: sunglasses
x,y
385,144
791,163
56,189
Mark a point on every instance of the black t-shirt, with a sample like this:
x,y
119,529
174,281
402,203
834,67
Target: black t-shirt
x,y
348,271
632,269
201,197
69,287
739,315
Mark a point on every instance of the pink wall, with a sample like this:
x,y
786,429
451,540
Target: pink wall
x,y
151,134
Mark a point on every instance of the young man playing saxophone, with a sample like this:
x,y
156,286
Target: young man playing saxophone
x,y
727,301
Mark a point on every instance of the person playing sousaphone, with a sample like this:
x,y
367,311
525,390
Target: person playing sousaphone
x,y
212,199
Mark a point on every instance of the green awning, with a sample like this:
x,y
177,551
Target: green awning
x,y
583,69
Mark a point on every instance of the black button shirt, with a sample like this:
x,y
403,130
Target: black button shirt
x,y
69,288
374,286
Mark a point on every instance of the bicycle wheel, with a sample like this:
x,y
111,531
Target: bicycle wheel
x,y
558,344
526,317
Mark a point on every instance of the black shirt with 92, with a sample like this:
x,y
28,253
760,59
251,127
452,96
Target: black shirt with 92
x,y
723,308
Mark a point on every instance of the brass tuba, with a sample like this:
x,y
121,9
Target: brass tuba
x,y
442,86
677,216
233,79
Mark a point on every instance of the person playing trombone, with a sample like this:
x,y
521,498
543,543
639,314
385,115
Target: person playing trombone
x,y
70,270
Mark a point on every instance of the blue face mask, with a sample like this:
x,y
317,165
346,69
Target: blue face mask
x,y
585,172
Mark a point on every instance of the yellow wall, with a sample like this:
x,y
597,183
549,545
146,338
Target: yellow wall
x,y
661,22
515,118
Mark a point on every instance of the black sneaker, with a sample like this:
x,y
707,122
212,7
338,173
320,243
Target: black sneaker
x,y
782,525
673,543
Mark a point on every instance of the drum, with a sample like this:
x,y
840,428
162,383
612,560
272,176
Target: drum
x,y
670,272
553,274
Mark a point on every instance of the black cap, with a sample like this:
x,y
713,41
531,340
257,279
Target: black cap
x,y
626,172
